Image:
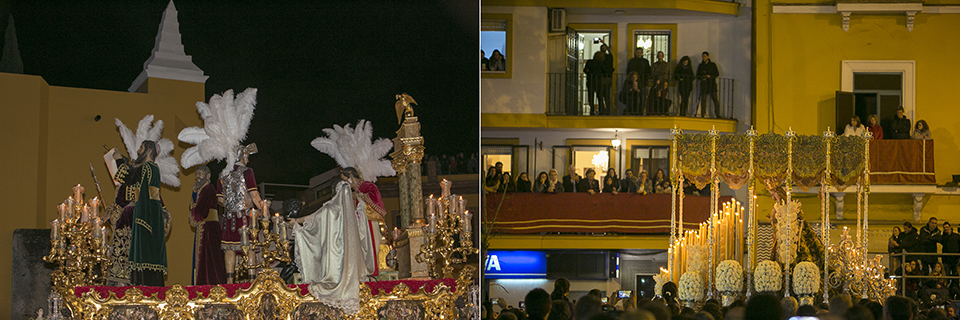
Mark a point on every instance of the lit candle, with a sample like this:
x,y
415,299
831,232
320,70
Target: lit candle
x,y
462,204
78,193
253,219
244,238
433,223
95,206
55,229
276,223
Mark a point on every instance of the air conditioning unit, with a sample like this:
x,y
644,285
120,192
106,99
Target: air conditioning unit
x,y
558,20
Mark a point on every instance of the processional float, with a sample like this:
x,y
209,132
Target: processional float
x,y
707,260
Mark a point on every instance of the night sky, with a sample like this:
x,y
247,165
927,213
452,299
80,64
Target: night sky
x,y
315,64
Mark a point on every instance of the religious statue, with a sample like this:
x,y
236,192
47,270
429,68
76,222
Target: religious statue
x,y
208,258
148,253
403,106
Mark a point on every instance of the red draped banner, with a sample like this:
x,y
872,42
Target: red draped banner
x,y
585,213
902,161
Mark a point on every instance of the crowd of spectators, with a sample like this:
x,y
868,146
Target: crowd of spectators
x,y
452,164
931,264
898,128
496,180
539,305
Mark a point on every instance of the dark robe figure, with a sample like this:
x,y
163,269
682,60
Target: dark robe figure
x,y
148,254
208,261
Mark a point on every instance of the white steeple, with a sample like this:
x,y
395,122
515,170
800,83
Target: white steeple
x,y
168,61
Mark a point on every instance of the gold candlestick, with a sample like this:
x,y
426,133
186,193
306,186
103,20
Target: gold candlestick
x,y
448,221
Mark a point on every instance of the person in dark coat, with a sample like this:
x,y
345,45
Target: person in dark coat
x,y
594,69
908,240
683,75
589,183
628,183
707,73
899,126
523,183
927,243
641,66
606,80
631,92
571,180
611,183
951,244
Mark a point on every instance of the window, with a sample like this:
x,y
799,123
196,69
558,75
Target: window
x,y
513,158
592,157
495,45
653,41
650,159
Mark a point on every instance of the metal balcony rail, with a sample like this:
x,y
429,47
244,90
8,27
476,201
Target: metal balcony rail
x,y
581,94
903,287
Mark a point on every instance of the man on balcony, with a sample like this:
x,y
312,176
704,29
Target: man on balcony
x,y
606,81
641,66
571,180
707,73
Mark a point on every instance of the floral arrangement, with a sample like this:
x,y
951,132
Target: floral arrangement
x,y
691,287
768,276
806,278
729,276
660,279
786,239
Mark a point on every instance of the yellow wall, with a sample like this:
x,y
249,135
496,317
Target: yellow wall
x,y
50,139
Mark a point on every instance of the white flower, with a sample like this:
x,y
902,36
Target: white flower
x,y
785,241
806,278
697,258
691,287
729,276
768,276
660,279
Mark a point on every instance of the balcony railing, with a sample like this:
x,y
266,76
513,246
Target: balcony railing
x,y
572,97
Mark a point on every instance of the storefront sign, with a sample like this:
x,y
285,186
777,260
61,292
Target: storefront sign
x,y
515,264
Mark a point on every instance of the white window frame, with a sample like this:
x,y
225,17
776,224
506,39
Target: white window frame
x,y
907,68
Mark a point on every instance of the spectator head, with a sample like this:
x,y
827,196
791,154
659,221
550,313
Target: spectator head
x,y
951,313
523,177
947,228
499,166
598,56
900,112
644,175
611,172
596,293
561,287
669,290
876,309
735,313
839,304
507,315
873,119
898,308
496,55
660,55
858,312
789,307
629,173
807,311
896,231
591,174
921,126
712,306
559,310
638,53
762,307
633,76
637,314
907,226
932,223
552,175
855,121
705,56
537,304
936,314
542,177
588,306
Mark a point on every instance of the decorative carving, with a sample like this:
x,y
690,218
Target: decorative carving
x,y
917,205
846,21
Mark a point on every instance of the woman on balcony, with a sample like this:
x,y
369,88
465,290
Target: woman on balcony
x,y
683,74
610,182
523,183
660,183
554,185
589,183
630,95
644,186
541,183
921,131
854,128
875,127
506,184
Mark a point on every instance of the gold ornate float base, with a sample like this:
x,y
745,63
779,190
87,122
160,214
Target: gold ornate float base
x,y
269,298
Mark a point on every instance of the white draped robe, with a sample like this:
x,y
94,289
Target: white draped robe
x,y
333,251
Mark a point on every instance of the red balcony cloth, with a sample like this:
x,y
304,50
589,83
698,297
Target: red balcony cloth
x,y
902,162
585,213
194,291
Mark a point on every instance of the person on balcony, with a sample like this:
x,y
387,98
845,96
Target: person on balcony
x,y
589,183
553,183
660,69
660,183
632,92
900,126
921,131
484,62
571,180
497,61
606,79
644,185
951,244
628,183
506,184
854,129
875,129
683,75
893,247
657,100
707,73
492,181
541,183
523,183
641,66
927,243
593,69
610,182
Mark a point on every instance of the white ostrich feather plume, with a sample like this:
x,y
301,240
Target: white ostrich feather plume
x,y
226,119
354,147
148,130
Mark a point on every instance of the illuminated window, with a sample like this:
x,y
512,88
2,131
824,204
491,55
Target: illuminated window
x,y
495,45
653,41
